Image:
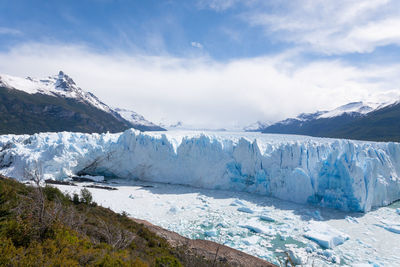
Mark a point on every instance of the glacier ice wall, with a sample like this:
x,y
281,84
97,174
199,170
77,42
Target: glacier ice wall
x,y
342,174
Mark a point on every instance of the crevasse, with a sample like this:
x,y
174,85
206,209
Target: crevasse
x,y
342,174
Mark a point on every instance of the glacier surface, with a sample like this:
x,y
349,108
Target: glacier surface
x,y
341,174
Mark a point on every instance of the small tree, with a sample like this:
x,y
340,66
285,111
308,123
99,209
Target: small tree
x,y
35,174
75,199
86,196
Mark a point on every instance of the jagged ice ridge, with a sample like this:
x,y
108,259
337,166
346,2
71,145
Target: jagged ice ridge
x,y
342,174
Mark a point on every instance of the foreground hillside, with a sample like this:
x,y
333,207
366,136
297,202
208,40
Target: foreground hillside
x,y
43,227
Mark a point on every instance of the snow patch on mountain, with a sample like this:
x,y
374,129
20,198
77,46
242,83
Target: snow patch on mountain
x,y
257,126
341,174
354,109
60,85
134,117
358,108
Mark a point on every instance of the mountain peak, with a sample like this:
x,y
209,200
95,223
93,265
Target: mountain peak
x,y
62,86
64,82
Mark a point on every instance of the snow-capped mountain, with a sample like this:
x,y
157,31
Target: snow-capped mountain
x,y
60,85
255,127
136,119
56,103
356,120
354,109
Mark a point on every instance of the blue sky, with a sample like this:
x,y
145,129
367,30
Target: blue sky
x,y
151,27
210,62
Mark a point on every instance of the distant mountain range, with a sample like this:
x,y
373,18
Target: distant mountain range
x,y
358,120
57,104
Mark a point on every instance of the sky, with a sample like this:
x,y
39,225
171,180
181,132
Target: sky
x,y
210,63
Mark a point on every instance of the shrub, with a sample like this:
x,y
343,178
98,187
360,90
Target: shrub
x,y
74,232
167,261
53,193
86,196
75,199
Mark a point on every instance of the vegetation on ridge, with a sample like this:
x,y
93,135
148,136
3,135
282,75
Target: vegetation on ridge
x,y
43,227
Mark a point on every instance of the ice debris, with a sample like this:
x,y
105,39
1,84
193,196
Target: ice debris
x,y
245,210
211,233
324,235
351,219
393,227
257,226
97,178
266,217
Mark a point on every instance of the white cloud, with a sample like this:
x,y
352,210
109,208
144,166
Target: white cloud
x,y
218,5
329,26
375,34
9,31
196,45
203,92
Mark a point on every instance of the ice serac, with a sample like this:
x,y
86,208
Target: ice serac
x,y
341,174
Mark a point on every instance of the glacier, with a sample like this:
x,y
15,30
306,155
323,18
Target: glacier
x,y
342,174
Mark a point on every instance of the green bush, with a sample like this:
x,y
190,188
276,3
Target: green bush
x,y
75,199
53,193
86,196
167,262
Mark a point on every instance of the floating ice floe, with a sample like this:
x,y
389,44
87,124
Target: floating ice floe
x,y
211,233
251,240
324,235
246,210
237,202
351,219
297,256
266,217
369,264
173,209
257,226
393,227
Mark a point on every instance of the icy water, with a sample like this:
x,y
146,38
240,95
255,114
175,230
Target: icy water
x,y
258,225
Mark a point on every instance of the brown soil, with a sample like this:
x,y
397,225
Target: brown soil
x,y
207,249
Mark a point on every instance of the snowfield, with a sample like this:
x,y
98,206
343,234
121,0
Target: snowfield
x,y
341,174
